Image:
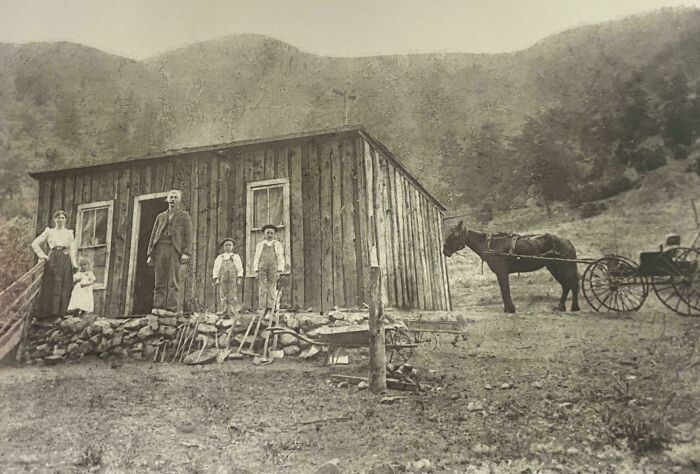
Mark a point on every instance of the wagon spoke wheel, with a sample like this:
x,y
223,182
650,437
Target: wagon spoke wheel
x,y
613,283
399,355
677,280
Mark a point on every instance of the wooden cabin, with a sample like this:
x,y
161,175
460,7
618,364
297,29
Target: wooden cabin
x,y
342,201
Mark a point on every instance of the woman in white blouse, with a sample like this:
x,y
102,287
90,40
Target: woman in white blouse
x,y
57,281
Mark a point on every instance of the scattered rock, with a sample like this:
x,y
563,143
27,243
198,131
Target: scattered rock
x,y
330,467
390,400
422,465
382,468
362,385
310,352
206,328
287,339
133,324
475,406
291,350
291,321
145,332
538,385
506,386
73,348
73,324
488,387
168,321
152,321
168,331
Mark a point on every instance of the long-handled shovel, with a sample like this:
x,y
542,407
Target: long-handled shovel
x,y
239,351
224,353
273,319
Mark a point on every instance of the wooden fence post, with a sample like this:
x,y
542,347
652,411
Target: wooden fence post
x,y
377,350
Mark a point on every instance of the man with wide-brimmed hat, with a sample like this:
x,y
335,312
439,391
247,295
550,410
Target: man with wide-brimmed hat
x,y
268,262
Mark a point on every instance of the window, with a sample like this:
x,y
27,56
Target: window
x,y
94,234
268,203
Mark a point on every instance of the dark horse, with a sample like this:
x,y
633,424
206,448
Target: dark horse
x,y
491,249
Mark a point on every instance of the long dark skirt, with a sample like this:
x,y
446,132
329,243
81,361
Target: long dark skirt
x,y
56,285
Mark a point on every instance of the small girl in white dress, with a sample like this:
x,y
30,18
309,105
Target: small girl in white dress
x,y
81,299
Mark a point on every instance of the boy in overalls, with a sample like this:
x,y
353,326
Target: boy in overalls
x,y
228,274
267,264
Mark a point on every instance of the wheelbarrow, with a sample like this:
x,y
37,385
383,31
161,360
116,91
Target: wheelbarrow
x,y
352,337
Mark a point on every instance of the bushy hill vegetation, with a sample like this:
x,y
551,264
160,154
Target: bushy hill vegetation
x,y
576,117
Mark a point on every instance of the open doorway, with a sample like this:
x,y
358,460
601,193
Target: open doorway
x,y
139,297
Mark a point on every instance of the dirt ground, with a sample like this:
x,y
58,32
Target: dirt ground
x,y
533,392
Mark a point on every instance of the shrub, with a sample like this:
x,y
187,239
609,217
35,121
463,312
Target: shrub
x,y
15,251
591,209
646,159
694,166
645,428
680,152
598,190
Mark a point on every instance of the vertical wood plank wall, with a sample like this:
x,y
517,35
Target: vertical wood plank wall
x,y
346,198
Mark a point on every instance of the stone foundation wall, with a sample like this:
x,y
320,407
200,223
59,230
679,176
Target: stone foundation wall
x,y
148,337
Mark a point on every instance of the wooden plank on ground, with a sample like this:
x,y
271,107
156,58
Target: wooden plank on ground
x,y
310,197
347,161
297,225
337,210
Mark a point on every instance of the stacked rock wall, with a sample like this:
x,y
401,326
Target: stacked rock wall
x,y
146,337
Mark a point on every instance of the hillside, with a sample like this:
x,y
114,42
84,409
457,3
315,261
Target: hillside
x,y
446,115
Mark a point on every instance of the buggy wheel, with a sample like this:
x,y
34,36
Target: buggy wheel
x,y
401,346
677,280
613,283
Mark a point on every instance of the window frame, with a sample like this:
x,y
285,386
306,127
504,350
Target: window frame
x,y
251,187
89,206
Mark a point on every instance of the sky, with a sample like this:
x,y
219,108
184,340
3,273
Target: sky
x,y
143,28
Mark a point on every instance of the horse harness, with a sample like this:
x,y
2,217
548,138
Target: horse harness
x,y
552,252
